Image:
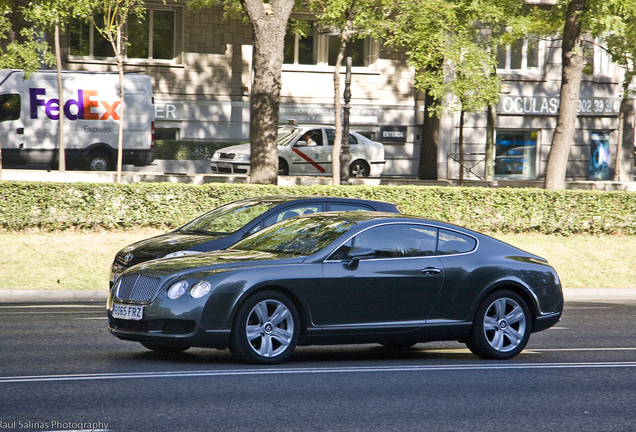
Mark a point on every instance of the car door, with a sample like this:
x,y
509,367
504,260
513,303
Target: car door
x,y
397,286
310,159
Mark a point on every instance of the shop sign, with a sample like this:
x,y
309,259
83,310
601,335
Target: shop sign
x,y
543,105
325,114
169,110
393,134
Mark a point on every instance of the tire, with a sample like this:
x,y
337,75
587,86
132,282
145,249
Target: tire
x,y
266,329
501,328
98,162
283,168
359,168
164,349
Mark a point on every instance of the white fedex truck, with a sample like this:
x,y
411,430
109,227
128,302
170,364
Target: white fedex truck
x,y
30,110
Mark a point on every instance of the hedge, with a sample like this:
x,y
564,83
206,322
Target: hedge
x,y
90,206
187,150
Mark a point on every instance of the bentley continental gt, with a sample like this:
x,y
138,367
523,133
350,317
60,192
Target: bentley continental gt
x,y
340,278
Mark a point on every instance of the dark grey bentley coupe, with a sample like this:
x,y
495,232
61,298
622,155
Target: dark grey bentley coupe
x,y
335,278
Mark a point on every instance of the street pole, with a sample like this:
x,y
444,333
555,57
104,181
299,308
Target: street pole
x,y
345,155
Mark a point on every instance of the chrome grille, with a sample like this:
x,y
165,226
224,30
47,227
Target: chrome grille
x,y
138,288
227,156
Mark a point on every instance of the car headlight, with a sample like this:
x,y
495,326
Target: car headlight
x,y
200,289
177,290
242,157
182,253
216,155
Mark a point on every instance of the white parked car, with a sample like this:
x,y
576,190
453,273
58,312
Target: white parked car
x,y
306,150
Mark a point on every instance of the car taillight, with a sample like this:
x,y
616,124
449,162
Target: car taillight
x,y
152,135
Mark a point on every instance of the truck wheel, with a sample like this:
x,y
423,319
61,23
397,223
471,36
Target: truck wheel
x,y
98,162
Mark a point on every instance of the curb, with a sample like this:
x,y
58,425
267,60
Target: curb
x,y
95,296
53,296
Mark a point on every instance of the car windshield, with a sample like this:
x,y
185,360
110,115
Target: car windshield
x,y
228,218
287,134
298,236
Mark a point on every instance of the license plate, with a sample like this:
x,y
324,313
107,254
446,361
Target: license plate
x,y
128,312
225,165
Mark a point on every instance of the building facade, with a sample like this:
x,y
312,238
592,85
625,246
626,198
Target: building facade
x,y
200,65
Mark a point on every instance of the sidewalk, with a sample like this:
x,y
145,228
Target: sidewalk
x,y
95,296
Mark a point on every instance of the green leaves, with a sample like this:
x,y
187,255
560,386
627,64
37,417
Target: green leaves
x,y
61,206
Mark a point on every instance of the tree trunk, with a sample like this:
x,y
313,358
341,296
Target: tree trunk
x,y
268,21
430,142
573,63
60,87
120,140
461,148
337,107
621,126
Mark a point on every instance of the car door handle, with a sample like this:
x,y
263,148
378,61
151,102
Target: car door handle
x,y
430,271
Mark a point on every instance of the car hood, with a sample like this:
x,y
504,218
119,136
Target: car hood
x,y
212,262
237,149
161,245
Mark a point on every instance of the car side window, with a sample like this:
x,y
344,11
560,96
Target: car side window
x,y
331,136
393,241
349,207
451,242
287,213
310,138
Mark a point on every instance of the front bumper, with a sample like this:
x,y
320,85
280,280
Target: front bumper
x,y
219,167
203,322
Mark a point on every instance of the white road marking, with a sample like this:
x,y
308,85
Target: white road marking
x,y
296,371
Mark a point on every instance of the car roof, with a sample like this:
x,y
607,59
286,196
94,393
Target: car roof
x,y
292,198
373,217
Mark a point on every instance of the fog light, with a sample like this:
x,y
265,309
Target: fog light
x,y
177,290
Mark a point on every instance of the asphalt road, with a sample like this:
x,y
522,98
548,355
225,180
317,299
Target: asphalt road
x,y
60,369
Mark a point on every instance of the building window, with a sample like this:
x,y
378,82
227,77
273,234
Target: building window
x,y
516,154
152,38
316,48
163,134
299,49
522,55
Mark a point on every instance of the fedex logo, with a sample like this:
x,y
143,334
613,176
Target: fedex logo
x,y
84,107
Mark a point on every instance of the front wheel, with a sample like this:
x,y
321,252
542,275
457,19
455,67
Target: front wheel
x,y
501,327
266,329
283,168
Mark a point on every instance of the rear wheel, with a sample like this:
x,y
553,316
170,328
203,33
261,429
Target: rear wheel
x,y
98,162
266,329
501,327
359,168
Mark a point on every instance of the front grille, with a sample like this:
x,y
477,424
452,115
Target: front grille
x,y
167,326
138,288
227,156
